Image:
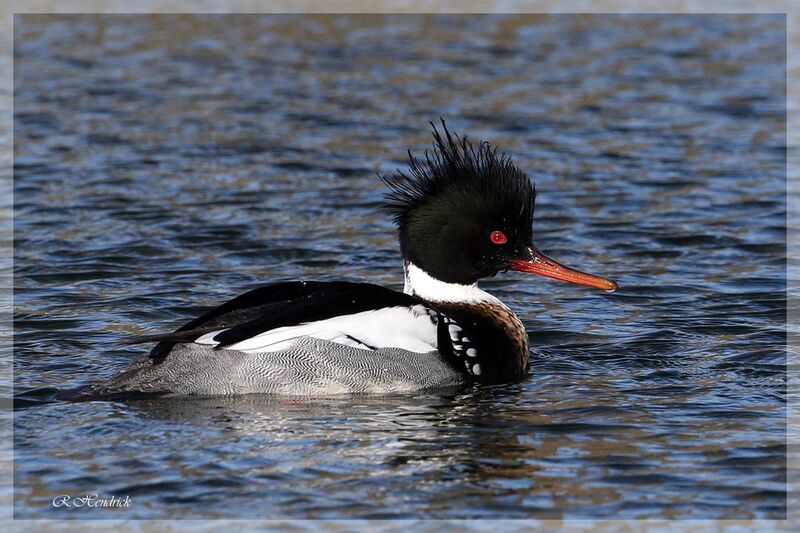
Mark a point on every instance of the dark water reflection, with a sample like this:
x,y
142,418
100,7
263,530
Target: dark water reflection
x,y
164,164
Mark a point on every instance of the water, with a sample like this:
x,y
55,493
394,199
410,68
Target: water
x,y
165,164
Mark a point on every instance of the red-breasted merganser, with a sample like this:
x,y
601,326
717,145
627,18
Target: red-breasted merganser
x,y
464,213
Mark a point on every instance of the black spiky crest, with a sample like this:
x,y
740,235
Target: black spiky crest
x,y
456,163
450,202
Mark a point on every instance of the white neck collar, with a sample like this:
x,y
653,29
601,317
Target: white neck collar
x,y
422,285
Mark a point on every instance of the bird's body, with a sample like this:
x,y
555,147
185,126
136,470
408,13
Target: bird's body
x,y
463,214
310,367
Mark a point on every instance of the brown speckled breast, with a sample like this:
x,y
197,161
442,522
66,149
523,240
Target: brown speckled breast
x,y
498,336
513,327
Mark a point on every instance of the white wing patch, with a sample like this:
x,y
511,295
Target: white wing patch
x,y
409,328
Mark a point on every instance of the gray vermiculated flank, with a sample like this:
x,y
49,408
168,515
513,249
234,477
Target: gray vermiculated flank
x,y
310,367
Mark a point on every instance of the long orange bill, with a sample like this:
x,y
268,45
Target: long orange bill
x,y
540,264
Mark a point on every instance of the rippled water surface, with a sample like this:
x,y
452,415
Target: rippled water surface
x,y
165,164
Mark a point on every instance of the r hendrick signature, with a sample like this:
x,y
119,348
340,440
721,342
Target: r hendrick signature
x,y
91,501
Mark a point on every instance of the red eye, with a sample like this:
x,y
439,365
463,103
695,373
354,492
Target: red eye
x,y
498,237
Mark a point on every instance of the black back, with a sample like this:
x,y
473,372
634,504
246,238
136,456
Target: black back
x,y
282,304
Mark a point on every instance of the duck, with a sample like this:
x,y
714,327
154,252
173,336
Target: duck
x,y
464,212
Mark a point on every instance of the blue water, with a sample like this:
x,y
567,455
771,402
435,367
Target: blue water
x,y
164,164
